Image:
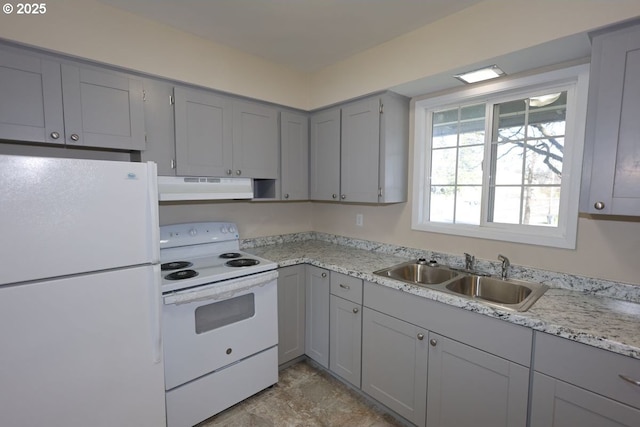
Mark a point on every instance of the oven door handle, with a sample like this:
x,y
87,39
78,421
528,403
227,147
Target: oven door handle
x,y
221,290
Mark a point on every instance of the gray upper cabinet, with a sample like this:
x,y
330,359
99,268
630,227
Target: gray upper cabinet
x,y
470,387
159,125
255,140
63,103
324,155
360,153
220,136
204,129
102,109
30,99
611,184
294,156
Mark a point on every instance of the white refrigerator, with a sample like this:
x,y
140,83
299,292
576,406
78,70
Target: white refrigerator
x,y
80,339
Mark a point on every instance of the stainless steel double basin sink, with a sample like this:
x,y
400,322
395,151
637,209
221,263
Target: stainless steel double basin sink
x,y
516,295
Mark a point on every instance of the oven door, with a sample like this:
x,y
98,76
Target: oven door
x,y
212,326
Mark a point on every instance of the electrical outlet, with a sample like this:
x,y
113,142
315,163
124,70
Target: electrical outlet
x,y
359,220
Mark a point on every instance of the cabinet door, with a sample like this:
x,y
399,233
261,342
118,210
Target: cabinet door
x,y
316,340
30,99
559,404
345,341
394,364
360,160
159,125
255,141
294,160
324,155
291,302
613,144
102,109
469,387
204,126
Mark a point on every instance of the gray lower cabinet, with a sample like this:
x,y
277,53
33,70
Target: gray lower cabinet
x,y
291,312
470,387
294,156
556,403
345,327
45,101
575,385
221,136
324,155
316,339
394,364
610,182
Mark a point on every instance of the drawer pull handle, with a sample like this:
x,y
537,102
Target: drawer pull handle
x,y
629,380
344,286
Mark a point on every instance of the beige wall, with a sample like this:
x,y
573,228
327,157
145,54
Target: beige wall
x,y
85,28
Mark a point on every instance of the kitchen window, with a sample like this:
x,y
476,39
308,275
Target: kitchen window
x,y
503,160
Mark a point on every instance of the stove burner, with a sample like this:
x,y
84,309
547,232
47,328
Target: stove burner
x,y
242,262
175,265
182,274
230,255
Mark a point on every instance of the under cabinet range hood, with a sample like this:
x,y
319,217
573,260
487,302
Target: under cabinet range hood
x,y
173,188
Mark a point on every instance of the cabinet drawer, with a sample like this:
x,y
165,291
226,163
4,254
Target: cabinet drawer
x,y
347,287
588,367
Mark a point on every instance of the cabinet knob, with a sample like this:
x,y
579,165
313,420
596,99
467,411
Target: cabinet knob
x,y
420,336
229,351
74,137
286,196
229,171
433,342
238,172
346,287
324,275
355,310
343,196
599,205
55,135
334,196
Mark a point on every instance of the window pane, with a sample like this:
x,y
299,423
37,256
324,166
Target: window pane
x,y
468,205
443,166
547,115
544,162
445,129
508,164
472,125
442,203
511,120
506,205
541,206
470,165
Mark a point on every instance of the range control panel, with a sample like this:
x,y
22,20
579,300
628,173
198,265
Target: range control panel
x,y
196,233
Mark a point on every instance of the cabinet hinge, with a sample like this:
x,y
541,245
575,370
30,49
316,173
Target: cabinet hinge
x,y
380,192
144,95
381,107
145,138
171,100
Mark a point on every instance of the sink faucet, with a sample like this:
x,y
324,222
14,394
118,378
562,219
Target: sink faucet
x,y
505,266
468,261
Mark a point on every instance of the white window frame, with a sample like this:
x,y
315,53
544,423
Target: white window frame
x,y
575,80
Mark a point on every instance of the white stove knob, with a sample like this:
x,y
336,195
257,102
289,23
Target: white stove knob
x,y
232,229
223,229
193,232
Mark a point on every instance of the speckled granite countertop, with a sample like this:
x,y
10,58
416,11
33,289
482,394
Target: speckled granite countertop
x,y
599,321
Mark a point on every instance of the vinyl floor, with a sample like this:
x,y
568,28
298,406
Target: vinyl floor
x,y
304,397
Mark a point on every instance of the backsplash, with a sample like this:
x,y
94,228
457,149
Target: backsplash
x,y
587,285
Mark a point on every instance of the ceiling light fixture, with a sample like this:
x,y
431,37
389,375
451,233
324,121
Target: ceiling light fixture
x,y
481,74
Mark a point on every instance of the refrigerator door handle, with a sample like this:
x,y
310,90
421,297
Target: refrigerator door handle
x,y
155,309
154,221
